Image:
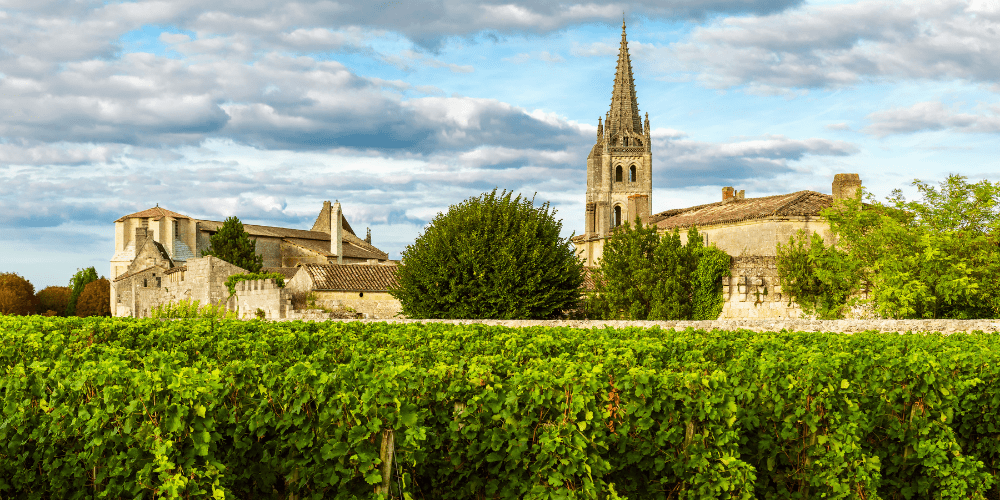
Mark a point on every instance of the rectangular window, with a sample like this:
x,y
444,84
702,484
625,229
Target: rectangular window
x,y
157,282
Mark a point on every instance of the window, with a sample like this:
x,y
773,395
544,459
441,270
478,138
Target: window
x,y
618,173
631,173
145,282
618,216
157,282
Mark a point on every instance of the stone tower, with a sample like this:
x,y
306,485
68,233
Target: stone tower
x,y
619,167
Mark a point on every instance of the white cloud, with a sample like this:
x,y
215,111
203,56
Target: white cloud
x,y
842,45
932,115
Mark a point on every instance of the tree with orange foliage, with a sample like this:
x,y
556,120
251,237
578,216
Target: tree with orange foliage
x,y
53,299
17,295
95,300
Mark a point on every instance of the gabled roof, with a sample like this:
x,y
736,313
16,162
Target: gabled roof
x,y
798,204
351,278
155,213
140,271
288,272
268,231
353,249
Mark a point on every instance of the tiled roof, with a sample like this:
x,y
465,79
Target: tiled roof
x,y
156,213
288,272
177,269
270,231
140,271
351,249
798,204
588,279
353,278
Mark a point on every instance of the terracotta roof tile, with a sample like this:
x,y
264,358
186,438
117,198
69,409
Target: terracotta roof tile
x,y
798,204
354,278
177,269
156,213
140,271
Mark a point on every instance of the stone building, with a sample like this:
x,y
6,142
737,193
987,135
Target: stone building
x,y
363,288
331,239
155,257
619,189
620,165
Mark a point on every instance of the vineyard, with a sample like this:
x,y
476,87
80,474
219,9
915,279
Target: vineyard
x,y
209,408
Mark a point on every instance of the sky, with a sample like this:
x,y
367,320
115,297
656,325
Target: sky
x,y
398,110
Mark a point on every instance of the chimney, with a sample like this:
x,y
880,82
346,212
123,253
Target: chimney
x,y
140,236
740,195
638,205
728,193
337,232
846,186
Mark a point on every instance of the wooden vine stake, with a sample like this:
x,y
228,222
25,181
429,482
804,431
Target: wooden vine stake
x,y
386,453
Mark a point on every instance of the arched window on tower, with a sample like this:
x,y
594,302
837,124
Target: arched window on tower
x,y
618,173
618,216
631,173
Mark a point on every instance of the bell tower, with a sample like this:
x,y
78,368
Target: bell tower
x,y
619,167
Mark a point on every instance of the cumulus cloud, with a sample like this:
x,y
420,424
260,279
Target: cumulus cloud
x,y
929,116
828,46
683,162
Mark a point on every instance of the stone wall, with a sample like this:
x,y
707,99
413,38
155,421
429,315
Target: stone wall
x,y
375,305
753,291
265,295
757,325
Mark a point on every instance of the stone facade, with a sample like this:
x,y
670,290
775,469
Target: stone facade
x,y
753,291
203,279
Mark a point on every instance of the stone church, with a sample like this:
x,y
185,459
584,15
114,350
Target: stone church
x,y
619,189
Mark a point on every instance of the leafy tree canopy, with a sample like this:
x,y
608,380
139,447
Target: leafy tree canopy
x,y
17,295
931,258
76,285
643,276
492,256
233,244
95,300
53,298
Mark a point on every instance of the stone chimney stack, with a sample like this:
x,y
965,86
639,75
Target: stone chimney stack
x,y
337,232
140,236
728,193
846,186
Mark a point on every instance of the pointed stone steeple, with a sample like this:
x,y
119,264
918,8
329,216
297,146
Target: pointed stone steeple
x,y
624,114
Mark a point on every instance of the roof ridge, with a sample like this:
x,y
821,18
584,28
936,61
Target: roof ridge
x,y
796,199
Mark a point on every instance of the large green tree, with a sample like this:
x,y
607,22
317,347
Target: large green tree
x,y
233,244
937,257
643,276
77,284
492,256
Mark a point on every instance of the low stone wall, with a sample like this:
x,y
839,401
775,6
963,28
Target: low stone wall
x,y
265,295
753,291
757,325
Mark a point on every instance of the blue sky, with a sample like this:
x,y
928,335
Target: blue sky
x,y
400,109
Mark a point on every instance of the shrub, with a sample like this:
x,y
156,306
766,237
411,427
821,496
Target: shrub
x,y
233,244
643,276
54,299
492,256
17,295
95,299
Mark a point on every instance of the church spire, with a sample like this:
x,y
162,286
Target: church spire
x,y
624,114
